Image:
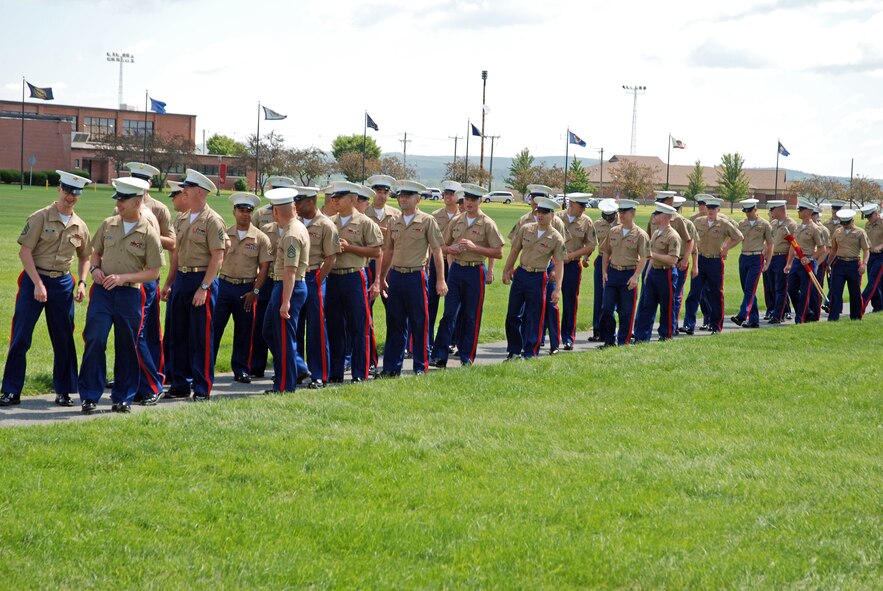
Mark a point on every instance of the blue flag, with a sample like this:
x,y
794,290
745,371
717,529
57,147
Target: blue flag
x,y
783,151
475,130
40,93
157,106
370,122
575,139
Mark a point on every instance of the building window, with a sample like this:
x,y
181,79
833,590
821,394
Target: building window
x,y
77,163
99,127
137,127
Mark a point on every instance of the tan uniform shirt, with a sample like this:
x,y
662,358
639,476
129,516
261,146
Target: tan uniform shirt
x,y
271,230
580,232
196,240
243,257
324,240
680,225
410,241
263,216
850,243
713,236
874,230
388,214
162,214
442,219
602,228
359,231
53,244
809,237
483,232
529,218
756,235
831,225
694,236
120,253
780,230
293,250
666,242
826,235
537,251
624,249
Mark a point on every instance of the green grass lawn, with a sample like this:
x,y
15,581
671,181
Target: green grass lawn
x,y
95,205
745,461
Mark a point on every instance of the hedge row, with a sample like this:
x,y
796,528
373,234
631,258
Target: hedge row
x,y
39,177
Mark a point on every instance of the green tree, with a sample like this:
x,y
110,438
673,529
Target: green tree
x,y
394,167
551,176
225,146
633,180
864,190
818,189
350,165
577,178
307,165
732,181
455,171
272,154
695,182
343,144
521,172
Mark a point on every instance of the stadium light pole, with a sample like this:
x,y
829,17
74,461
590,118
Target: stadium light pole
x,y
483,113
122,58
635,91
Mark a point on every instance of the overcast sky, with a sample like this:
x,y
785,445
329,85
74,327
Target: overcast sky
x,y
720,76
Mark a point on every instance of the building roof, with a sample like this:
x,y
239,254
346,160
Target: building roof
x,y
759,179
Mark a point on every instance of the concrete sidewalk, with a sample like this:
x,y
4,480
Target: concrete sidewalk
x,y
39,410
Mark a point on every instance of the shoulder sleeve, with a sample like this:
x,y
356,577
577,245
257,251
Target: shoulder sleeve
x,y
591,238
863,241
330,241
30,234
291,249
644,246
433,234
97,243
216,233
373,235
734,231
154,258
492,232
516,236
264,253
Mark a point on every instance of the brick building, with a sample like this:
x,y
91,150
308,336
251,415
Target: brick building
x,y
64,137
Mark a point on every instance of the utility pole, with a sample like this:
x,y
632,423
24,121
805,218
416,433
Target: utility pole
x,y
491,171
635,91
454,167
483,113
405,149
601,188
122,58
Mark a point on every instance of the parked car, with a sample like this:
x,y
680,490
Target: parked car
x,y
499,197
434,193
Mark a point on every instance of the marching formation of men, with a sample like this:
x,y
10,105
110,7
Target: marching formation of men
x,y
299,281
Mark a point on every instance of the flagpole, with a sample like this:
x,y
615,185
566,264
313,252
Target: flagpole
x,y
668,162
566,156
466,163
257,155
21,171
364,141
144,154
776,190
601,188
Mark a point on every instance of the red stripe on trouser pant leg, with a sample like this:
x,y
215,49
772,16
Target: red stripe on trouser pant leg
x,y
254,315
628,337
283,353
144,371
369,334
481,280
874,289
321,328
671,303
805,297
720,322
425,340
536,347
209,345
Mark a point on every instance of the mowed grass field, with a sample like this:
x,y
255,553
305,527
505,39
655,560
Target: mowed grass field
x,y
96,204
745,461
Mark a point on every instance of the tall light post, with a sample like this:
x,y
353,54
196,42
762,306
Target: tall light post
x,y
483,113
122,58
634,90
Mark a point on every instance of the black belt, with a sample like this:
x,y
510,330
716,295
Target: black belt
x,y
623,267
52,274
469,263
192,269
534,269
847,258
408,269
236,281
345,271
706,256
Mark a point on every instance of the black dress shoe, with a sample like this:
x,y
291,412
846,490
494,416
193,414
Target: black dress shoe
x,y
595,339
788,316
358,380
388,374
373,371
687,331
120,407
10,399
89,407
408,355
301,377
151,400
257,374
419,373
109,385
335,380
705,327
272,392
568,346
452,349
63,400
607,346
512,357
554,351
316,385
774,320
440,363
737,321
243,379
200,397
177,393
751,325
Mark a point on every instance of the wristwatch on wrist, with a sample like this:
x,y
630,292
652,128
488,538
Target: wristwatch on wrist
x,y
81,282
256,291
92,269
204,287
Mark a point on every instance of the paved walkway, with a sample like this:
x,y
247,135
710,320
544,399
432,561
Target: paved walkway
x,y
37,410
